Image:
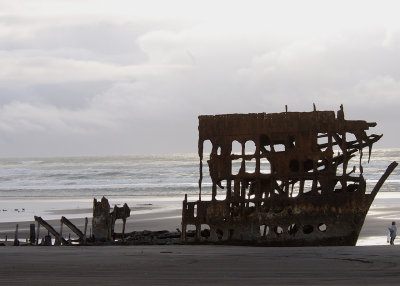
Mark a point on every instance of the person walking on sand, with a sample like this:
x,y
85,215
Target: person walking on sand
x,y
392,232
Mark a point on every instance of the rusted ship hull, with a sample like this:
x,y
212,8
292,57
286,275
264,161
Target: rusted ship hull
x,y
294,188
302,221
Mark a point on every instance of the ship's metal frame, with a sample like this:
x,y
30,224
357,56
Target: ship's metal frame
x,y
293,189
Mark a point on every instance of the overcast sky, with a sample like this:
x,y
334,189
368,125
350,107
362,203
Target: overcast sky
x,y
92,77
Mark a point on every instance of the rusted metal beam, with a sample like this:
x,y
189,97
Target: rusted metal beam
x,y
47,226
382,179
72,227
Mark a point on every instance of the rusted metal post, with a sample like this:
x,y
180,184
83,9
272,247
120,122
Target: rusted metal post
x,y
16,241
38,233
201,176
51,230
379,184
85,231
72,227
47,240
61,227
58,238
198,232
184,209
123,228
32,234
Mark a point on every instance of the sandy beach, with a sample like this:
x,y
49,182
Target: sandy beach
x,y
372,262
199,265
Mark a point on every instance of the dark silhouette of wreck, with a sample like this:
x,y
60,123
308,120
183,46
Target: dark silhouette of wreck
x,y
297,192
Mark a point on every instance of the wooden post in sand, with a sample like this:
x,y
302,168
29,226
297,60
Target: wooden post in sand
x,y
85,230
32,234
38,233
184,225
16,241
123,228
61,228
58,241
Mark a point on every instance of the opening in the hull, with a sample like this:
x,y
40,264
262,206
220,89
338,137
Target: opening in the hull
x,y
292,229
322,141
250,147
236,148
265,143
265,167
236,166
205,231
264,230
279,147
250,166
307,186
191,231
308,165
322,227
220,234
207,148
278,230
307,229
295,189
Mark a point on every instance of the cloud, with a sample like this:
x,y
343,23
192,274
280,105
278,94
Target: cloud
x,y
19,117
392,39
96,78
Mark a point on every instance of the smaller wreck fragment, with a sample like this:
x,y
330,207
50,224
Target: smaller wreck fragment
x,y
292,187
103,221
103,230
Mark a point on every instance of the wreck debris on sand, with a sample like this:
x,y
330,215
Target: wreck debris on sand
x,y
103,222
103,230
293,189
103,225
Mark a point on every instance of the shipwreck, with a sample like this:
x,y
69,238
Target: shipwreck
x,y
294,188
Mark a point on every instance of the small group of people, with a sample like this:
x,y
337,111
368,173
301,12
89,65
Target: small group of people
x,y
392,233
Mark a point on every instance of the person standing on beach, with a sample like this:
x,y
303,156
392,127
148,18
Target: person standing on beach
x,y
392,232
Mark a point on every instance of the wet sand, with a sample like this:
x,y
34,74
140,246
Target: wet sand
x,y
199,265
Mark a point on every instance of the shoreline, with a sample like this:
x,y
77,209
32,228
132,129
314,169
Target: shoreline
x,y
153,215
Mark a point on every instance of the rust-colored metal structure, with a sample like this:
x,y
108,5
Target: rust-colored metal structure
x,y
292,189
103,222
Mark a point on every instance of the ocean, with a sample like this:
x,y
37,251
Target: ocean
x,y
110,176
30,186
